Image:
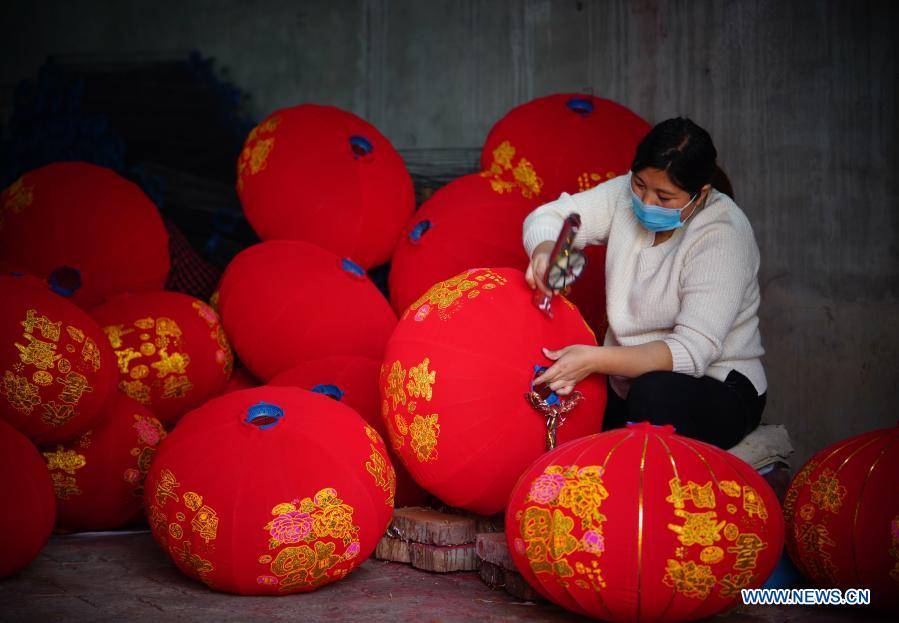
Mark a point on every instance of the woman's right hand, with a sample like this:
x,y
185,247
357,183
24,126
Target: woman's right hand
x,y
536,272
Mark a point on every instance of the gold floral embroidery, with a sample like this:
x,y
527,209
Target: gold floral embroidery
x,y
447,296
421,380
827,492
192,500
424,431
49,330
56,414
65,460
700,528
42,378
689,579
257,148
176,387
176,363
20,393
505,175
586,180
382,472
42,355
16,198
64,486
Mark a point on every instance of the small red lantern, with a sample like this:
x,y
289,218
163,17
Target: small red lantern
x,y
28,505
640,524
86,230
455,380
842,515
283,302
57,369
467,223
99,478
270,491
323,175
354,382
566,142
171,349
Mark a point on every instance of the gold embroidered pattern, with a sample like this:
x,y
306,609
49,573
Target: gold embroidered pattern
x,y
421,380
424,431
15,198
74,385
64,486
827,492
586,180
702,496
256,150
506,175
698,528
382,472
205,523
20,393
55,414
42,355
64,460
689,579
136,391
192,500
42,378
447,297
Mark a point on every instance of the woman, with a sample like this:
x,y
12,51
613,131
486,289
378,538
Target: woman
x,y
682,296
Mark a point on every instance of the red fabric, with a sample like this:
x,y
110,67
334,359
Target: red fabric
x,y
56,368
299,178
28,505
171,349
640,524
454,379
543,148
190,273
283,302
99,477
357,380
270,511
240,379
589,291
89,218
842,514
471,225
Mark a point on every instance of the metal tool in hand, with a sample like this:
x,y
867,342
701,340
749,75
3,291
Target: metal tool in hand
x,y
565,265
553,407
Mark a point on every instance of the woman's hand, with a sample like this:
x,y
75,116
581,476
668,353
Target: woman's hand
x,y
572,364
537,268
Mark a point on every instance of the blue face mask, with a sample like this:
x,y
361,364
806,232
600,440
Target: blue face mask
x,y
656,218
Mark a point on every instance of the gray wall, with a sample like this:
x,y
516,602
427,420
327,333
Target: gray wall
x,y
799,96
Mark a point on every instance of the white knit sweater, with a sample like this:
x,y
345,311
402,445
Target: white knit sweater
x,y
697,291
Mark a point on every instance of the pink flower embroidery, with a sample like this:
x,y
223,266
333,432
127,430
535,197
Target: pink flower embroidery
x,y
147,432
519,546
131,475
291,527
593,542
267,580
546,487
353,549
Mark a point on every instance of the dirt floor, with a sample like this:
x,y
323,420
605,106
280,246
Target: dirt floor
x,y
125,576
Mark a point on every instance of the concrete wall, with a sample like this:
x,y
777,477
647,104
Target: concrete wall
x,y
799,96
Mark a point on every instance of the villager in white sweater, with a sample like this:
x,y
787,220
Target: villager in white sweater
x,y
684,300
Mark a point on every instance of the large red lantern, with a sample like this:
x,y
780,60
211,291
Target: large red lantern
x,y
354,382
85,229
28,505
566,142
99,478
283,302
171,350
454,382
57,369
466,224
270,491
640,524
321,174
842,515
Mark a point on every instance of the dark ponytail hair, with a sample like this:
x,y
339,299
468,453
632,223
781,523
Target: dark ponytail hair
x,y
685,151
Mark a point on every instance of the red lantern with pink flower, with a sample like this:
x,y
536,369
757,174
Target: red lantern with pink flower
x,y
842,514
171,350
28,505
56,369
270,491
641,524
99,478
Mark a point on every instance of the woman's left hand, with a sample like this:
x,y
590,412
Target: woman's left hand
x,y
572,364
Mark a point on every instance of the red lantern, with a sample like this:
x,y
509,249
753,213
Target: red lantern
x,y
565,142
28,505
171,349
842,515
283,302
467,223
270,491
99,478
57,369
454,382
640,524
589,291
354,382
323,175
85,229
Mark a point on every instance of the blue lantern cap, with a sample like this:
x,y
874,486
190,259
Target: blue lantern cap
x,y
331,391
352,267
420,229
264,415
361,146
65,280
581,105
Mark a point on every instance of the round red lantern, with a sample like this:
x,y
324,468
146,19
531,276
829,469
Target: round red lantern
x,y
354,382
589,291
270,491
99,478
57,369
566,142
171,350
842,516
467,223
640,524
455,382
323,175
28,505
86,230
285,301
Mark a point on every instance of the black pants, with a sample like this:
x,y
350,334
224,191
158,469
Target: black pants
x,y
702,408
